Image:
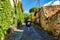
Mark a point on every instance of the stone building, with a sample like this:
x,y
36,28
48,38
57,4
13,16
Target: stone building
x,y
14,3
50,19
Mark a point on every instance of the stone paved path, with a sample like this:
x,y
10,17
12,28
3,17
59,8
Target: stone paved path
x,y
32,34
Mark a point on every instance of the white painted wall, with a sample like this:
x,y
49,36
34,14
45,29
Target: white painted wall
x,y
12,3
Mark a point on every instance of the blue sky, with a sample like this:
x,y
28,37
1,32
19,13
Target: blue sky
x,y
28,4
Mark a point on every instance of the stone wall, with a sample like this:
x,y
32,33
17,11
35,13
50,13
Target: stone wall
x,y
50,19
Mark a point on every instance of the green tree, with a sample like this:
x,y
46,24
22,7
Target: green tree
x,y
33,9
33,12
27,16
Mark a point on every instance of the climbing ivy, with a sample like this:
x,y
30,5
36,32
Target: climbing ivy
x,y
6,16
20,15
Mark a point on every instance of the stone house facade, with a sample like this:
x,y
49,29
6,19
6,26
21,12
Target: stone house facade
x,y
50,19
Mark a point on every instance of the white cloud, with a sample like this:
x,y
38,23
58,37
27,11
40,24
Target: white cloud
x,y
47,4
57,2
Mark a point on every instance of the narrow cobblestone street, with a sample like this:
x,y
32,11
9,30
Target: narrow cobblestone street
x,y
32,34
